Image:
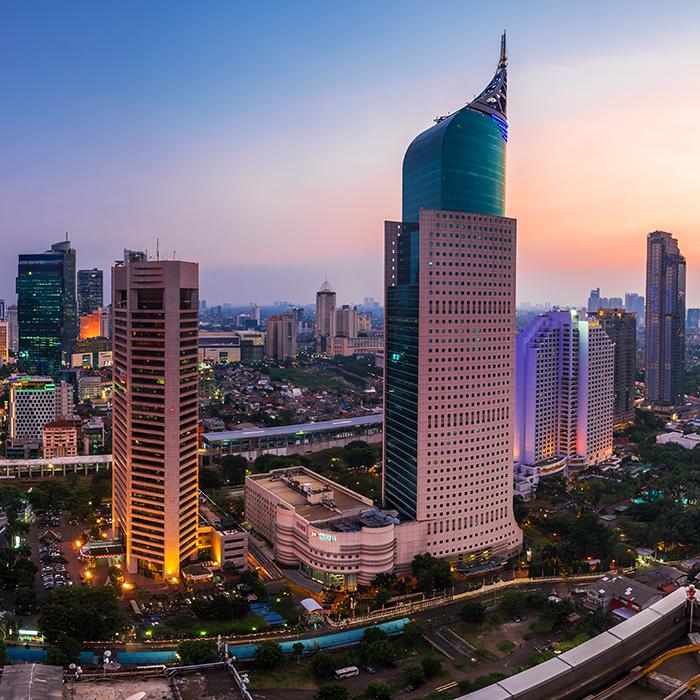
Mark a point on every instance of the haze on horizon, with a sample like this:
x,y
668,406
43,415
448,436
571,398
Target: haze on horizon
x,y
267,143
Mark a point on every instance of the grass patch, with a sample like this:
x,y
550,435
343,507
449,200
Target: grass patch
x,y
289,674
184,626
573,642
315,380
486,653
505,646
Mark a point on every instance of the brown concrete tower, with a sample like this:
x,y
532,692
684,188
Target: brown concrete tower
x,y
155,310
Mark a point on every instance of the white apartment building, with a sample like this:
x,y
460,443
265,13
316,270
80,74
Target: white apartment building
x,y
36,401
564,394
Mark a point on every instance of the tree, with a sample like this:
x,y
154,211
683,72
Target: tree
x,y
323,666
378,690
268,655
209,479
332,692
514,602
431,667
473,611
234,468
413,631
383,596
298,649
414,675
197,651
82,613
25,600
431,573
379,652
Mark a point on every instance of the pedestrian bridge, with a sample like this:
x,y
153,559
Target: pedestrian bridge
x,y
56,467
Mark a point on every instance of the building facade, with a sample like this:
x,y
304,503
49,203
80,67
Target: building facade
x,y
155,412
347,322
634,303
60,438
12,328
34,402
90,292
665,321
563,394
325,316
621,327
693,319
449,330
4,341
332,534
281,337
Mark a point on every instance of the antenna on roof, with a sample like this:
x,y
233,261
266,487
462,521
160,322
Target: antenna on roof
x,y
66,236
157,248
504,58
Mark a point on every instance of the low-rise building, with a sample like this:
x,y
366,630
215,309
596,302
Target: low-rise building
x,y
60,438
94,436
225,540
332,534
688,441
620,595
359,345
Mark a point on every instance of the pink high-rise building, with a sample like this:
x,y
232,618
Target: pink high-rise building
x,y
449,340
154,478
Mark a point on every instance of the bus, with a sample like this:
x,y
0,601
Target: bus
x,y
347,672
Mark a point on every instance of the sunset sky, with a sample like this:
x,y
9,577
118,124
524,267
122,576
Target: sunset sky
x,y
265,140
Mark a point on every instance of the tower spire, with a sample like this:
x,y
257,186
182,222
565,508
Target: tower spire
x,y
503,62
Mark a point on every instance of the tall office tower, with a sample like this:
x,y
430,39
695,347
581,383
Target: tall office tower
x,y
594,300
346,322
255,313
281,338
325,316
4,341
613,303
46,308
634,303
449,331
36,401
12,328
89,291
665,320
621,327
693,319
563,393
155,384
2,310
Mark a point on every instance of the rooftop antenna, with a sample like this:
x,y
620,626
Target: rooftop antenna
x,y
66,236
504,58
157,248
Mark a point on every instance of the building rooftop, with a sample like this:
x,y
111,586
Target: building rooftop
x,y
35,681
299,428
626,589
312,496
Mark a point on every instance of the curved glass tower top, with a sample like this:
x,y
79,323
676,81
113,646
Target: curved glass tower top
x,y
460,163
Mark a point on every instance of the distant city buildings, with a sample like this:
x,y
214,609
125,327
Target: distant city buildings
x,y
60,438
564,394
155,413
325,316
665,321
281,337
693,319
46,308
4,342
90,293
621,327
12,328
634,303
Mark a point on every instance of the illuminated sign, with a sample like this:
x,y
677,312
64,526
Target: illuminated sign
x,y
323,537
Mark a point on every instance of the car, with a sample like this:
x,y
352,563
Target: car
x,y
369,669
519,618
409,689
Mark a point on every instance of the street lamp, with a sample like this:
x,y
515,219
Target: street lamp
x,y
690,597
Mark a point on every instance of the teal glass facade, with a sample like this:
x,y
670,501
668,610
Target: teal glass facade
x,y
459,164
401,376
39,289
47,317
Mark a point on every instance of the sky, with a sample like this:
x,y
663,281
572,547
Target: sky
x,y
265,140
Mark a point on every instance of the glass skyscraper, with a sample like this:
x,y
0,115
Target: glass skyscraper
x,y
47,316
665,321
449,334
90,294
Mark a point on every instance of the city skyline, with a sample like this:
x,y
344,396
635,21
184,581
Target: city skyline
x,y
200,148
